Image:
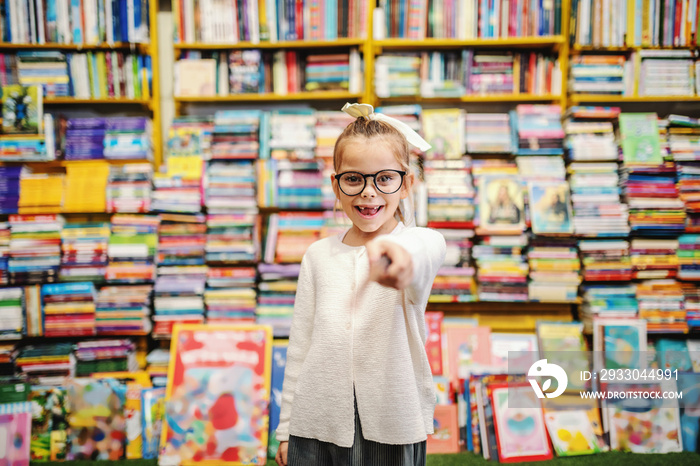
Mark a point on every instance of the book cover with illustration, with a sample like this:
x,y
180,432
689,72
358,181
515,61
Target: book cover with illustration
x,y
444,130
153,407
642,424
96,420
49,423
15,433
445,438
279,362
639,134
22,109
550,208
563,343
689,384
574,402
501,206
217,395
520,431
571,433
621,343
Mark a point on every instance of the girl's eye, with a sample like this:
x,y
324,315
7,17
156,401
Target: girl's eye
x,y
351,178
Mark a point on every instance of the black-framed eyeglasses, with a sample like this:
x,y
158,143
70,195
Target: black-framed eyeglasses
x,y
386,181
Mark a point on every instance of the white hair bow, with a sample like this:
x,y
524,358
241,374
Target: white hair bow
x,y
367,111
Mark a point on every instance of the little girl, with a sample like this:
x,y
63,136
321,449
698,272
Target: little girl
x,y
357,386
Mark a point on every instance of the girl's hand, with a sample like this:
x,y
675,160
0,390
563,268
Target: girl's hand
x,y
397,271
281,456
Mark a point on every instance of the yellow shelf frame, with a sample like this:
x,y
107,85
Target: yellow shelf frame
x,y
509,42
469,98
582,98
114,101
296,44
143,48
270,97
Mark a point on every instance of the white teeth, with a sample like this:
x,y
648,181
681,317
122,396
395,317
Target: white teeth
x,y
368,210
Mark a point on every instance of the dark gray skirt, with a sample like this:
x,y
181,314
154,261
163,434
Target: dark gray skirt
x,y
312,452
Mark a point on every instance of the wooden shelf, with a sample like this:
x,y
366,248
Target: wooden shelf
x,y
296,44
475,98
143,48
269,97
578,98
521,42
113,101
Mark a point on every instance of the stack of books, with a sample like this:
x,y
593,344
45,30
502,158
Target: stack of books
x,y
132,249
689,257
600,74
291,134
454,285
666,72
605,260
47,68
236,134
331,72
662,305
539,129
11,313
174,193
654,258
84,251
692,306
157,368
230,185
302,184
129,188
128,138
178,298
442,74
554,270
488,133
124,310
181,240
289,234
230,305
35,248
231,277
501,268
397,75
613,301
329,125
104,356
50,364
232,238
541,169
5,235
684,138
86,187
590,134
450,193
489,73
69,309
40,193
277,288
85,138
9,189
595,195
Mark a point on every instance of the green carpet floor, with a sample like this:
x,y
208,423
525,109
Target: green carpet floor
x,y
468,459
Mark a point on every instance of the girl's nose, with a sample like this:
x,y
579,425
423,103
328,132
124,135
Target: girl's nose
x,y
369,190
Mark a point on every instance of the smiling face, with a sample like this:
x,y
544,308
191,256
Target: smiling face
x,y
371,211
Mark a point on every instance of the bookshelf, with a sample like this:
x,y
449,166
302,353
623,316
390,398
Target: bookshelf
x,y
149,102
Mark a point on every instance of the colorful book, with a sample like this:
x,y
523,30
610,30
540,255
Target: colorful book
x,y
22,109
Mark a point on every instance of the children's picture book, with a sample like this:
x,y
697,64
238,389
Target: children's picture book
x,y
550,208
571,433
501,204
217,395
642,424
563,343
574,402
619,342
15,433
245,74
443,129
513,352
279,362
22,109
520,428
153,412
49,423
689,384
442,390
694,353
97,424
445,438
464,346
639,133
673,354
195,77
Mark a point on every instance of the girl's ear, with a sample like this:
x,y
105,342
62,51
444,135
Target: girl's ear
x,y
407,185
334,183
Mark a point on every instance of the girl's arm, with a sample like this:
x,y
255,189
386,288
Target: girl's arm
x,y
299,342
413,266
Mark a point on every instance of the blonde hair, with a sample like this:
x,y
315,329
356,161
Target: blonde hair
x,y
370,129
